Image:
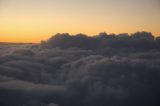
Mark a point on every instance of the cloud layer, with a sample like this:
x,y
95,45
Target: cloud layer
x,y
104,70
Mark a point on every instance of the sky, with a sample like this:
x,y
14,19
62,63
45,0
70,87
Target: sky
x,y
36,20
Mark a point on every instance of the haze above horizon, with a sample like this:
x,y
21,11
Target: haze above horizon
x,y
36,20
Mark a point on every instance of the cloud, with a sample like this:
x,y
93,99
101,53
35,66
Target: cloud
x,y
80,70
138,40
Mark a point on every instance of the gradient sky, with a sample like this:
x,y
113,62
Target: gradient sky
x,y
36,20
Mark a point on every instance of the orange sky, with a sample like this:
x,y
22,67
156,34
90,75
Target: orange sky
x,y
36,20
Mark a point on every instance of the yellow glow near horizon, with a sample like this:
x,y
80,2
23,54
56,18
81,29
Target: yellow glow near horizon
x,y
36,20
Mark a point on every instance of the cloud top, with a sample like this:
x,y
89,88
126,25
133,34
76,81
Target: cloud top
x,y
67,70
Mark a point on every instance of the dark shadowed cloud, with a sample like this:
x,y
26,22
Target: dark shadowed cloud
x,y
103,70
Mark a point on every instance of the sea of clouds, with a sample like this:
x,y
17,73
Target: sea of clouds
x,y
102,70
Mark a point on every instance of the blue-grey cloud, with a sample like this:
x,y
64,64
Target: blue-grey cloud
x,y
103,70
